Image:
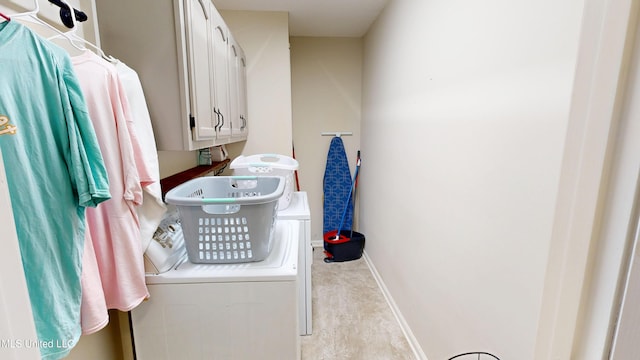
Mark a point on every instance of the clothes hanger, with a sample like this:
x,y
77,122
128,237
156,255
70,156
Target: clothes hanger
x,y
36,9
96,48
5,17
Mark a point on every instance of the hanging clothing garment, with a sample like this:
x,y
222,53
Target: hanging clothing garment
x,y
114,226
152,210
54,170
93,310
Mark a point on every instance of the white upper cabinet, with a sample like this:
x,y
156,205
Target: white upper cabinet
x,y
181,51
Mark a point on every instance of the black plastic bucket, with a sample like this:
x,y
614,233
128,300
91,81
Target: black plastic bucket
x,y
348,246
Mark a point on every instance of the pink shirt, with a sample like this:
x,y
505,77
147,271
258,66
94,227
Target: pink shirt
x,y
113,226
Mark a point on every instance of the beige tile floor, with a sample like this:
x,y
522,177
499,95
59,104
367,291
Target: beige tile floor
x,y
351,318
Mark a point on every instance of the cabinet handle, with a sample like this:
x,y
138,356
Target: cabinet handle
x,y
224,38
204,9
215,111
222,116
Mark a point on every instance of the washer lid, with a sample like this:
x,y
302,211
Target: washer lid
x,y
280,265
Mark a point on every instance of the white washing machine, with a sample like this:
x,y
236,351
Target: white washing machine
x,y
298,210
224,311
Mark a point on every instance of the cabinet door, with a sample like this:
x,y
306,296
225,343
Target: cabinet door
x,y
238,90
220,43
204,121
233,85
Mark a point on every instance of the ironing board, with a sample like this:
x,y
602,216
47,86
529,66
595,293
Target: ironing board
x,y
336,187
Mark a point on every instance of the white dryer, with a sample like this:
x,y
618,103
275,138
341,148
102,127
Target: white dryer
x,y
224,311
298,210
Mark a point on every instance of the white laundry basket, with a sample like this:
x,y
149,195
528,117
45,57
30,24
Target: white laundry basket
x,y
269,165
228,219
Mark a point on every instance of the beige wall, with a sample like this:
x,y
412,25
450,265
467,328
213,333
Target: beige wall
x,y
326,84
264,37
465,108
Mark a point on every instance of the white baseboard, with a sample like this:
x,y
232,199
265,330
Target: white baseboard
x,y
413,342
317,243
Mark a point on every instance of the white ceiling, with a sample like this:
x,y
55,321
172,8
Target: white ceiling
x,y
330,18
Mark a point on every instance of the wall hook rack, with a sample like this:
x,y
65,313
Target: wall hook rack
x,y
336,133
66,14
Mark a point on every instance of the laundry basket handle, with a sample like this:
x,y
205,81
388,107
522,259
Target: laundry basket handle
x,y
180,196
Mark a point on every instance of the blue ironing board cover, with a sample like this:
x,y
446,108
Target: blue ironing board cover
x,y
336,186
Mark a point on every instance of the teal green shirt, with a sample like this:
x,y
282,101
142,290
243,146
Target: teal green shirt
x,y
54,170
